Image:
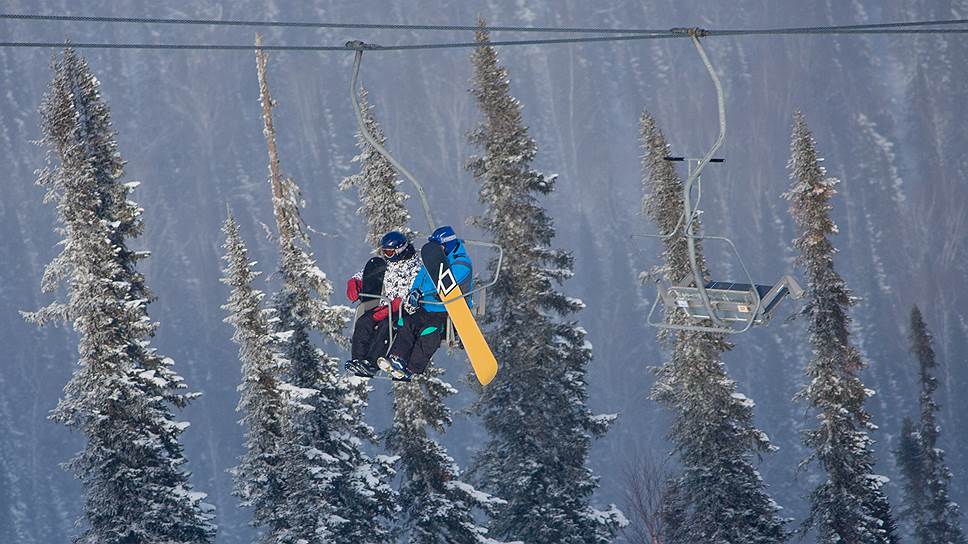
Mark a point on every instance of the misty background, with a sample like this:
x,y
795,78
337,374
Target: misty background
x,y
888,113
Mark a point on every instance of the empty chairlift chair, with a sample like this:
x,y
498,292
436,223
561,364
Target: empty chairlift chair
x,y
730,302
713,306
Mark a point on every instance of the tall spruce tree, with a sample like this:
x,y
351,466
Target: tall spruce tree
x,y
336,491
258,478
719,497
437,508
940,522
850,506
123,392
535,412
910,461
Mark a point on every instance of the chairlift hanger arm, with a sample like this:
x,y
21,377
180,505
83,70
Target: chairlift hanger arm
x,y
360,46
694,175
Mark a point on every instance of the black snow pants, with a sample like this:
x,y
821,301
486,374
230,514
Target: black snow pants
x,y
418,338
370,337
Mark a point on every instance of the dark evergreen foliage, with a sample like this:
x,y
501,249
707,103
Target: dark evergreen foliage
x,y
258,477
436,507
336,492
910,461
381,204
122,394
540,428
850,505
719,497
940,521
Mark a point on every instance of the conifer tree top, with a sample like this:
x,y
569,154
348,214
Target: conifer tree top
x,y
539,424
122,393
850,505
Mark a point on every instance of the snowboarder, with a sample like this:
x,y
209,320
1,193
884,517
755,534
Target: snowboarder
x,y
371,332
422,326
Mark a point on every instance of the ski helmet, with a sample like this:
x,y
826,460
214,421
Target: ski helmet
x,y
446,237
393,244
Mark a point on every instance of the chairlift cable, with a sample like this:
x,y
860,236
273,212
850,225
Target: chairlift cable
x,y
237,47
337,25
625,35
488,28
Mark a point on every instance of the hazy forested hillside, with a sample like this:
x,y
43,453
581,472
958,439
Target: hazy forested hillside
x,y
888,114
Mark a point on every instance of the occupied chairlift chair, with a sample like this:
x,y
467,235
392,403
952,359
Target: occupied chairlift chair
x,y
730,307
450,338
479,293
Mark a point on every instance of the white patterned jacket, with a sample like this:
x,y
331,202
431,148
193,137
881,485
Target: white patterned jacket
x,y
398,279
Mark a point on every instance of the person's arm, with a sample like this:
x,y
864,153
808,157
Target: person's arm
x,y
354,285
421,280
461,269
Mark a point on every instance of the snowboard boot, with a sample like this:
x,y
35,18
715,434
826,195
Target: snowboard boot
x,y
395,367
361,368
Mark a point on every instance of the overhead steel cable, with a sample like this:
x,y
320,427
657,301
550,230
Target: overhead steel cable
x,y
833,30
235,47
175,46
865,26
886,28
310,24
489,28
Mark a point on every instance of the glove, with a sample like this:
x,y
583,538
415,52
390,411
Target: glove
x,y
353,287
413,301
381,313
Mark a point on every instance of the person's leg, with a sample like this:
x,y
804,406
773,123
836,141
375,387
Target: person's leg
x,y
379,341
363,333
428,337
404,336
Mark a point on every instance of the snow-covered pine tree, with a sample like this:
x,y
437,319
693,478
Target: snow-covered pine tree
x,y
382,205
336,492
540,427
10,522
122,394
719,497
437,508
910,461
258,480
850,506
941,524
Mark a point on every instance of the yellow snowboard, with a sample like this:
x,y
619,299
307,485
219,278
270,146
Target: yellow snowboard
x,y
483,361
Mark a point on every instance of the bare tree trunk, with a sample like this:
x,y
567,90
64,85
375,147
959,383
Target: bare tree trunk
x,y
645,490
269,131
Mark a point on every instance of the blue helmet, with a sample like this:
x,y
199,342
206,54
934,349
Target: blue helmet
x,y
446,237
393,245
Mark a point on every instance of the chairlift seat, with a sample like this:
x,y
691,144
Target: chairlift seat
x,y
732,302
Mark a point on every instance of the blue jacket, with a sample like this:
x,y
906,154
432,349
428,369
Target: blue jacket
x,y
460,266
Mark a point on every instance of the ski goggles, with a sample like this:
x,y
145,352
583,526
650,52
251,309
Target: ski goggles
x,y
391,251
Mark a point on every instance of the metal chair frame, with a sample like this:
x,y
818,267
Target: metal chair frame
x,y
688,223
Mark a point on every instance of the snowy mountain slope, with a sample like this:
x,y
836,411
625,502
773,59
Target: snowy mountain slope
x,y
887,114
